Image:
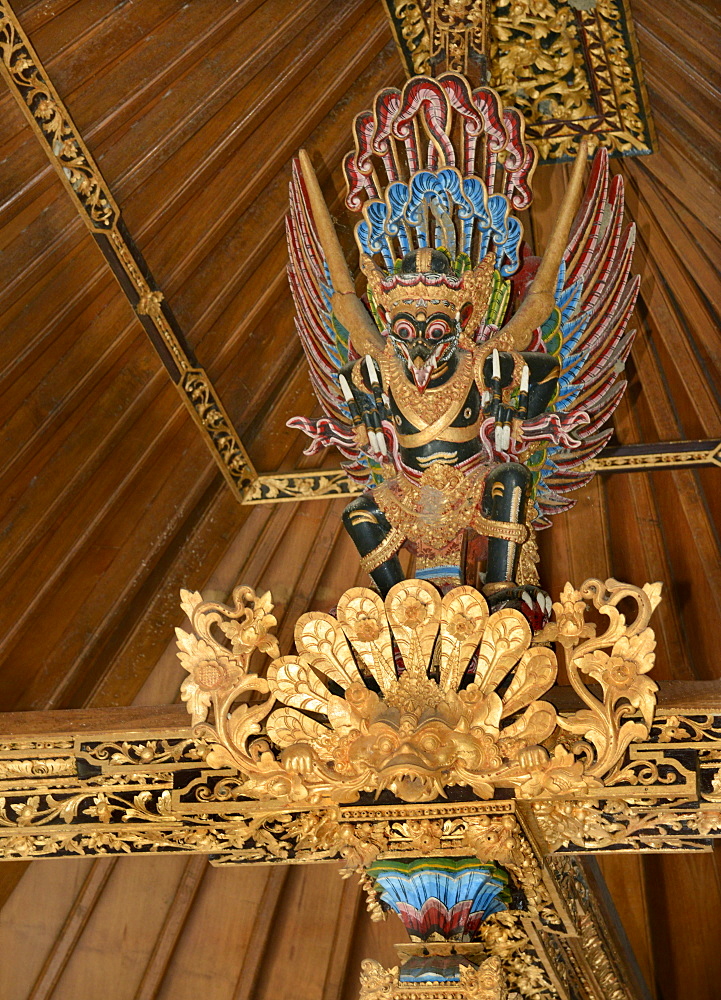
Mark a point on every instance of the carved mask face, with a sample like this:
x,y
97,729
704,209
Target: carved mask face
x,y
423,307
424,334
412,762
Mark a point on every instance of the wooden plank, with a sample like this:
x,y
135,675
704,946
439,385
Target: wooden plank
x,y
80,912
263,928
32,918
684,898
116,944
77,721
351,902
167,939
231,901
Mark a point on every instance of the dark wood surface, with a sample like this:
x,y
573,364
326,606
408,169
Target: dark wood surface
x,y
110,501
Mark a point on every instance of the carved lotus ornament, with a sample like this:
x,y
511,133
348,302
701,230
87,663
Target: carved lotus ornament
x,y
417,693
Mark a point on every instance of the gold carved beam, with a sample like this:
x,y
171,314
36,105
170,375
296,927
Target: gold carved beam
x,y
287,487
571,66
50,120
134,782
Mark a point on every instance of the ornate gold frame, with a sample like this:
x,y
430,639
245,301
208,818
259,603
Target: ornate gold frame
x,y
50,120
120,782
114,782
601,93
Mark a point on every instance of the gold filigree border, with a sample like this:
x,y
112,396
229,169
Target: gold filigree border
x,y
50,120
289,487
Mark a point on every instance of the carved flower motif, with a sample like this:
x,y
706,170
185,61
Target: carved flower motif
x,y
209,671
620,673
45,109
101,808
709,822
26,812
672,730
366,629
570,617
460,626
412,611
252,630
423,835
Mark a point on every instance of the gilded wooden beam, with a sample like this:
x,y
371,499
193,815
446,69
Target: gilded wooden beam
x,y
572,68
287,487
134,781
50,120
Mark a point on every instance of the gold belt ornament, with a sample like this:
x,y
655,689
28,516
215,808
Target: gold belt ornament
x,y
437,432
434,510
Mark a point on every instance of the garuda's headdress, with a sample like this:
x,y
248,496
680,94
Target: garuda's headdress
x,y
417,193
429,275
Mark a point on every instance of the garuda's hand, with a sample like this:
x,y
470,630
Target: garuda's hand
x,y
367,409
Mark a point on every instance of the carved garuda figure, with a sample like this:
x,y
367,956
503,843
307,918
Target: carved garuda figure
x,y
464,420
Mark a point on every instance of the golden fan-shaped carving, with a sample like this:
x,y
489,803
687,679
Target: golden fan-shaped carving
x,y
418,693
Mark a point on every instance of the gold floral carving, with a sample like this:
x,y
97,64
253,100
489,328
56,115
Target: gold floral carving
x,y
293,737
220,435
295,486
621,673
688,729
506,936
635,824
571,67
36,767
29,83
51,122
483,983
489,838
121,753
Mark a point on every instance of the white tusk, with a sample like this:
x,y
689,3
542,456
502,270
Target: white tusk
x,y
345,388
524,379
496,364
371,369
498,437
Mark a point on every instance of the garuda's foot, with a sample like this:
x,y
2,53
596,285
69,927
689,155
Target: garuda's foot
x,y
534,603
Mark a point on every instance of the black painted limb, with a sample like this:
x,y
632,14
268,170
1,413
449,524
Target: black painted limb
x,y
505,497
368,526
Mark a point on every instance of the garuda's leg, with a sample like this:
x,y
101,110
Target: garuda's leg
x,y
505,499
375,538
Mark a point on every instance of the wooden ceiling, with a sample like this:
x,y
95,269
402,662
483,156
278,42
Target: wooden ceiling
x,y
110,500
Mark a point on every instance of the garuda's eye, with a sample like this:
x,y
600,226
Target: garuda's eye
x,y
404,328
437,328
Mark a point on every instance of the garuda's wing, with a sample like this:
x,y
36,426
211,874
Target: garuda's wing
x,y
595,296
325,339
